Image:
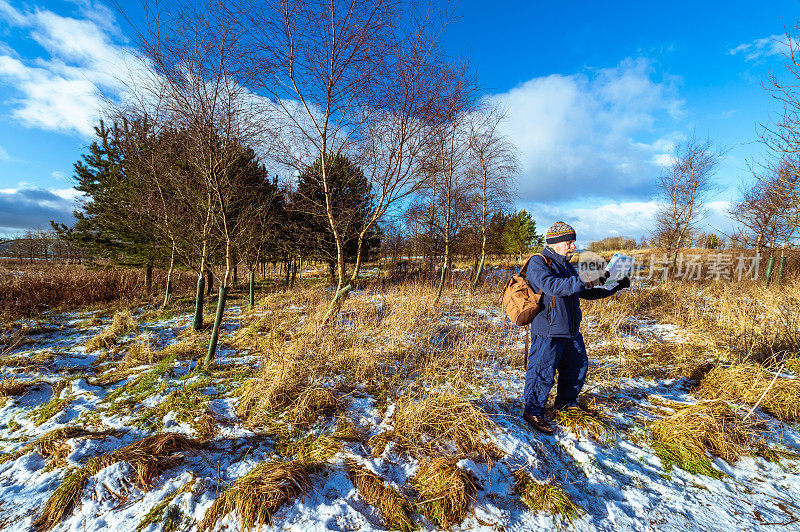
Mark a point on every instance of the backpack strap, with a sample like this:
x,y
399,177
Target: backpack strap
x,y
548,262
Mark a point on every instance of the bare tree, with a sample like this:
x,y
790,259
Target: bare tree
x,y
685,186
347,77
193,86
494,165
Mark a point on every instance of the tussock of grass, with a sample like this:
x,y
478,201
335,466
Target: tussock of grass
x,y
312,403
257,495
284,385
747,383
442,424
14,387
544,497
445,492
319,449
589,421
394,508
149,458
122,323
53,444
684,437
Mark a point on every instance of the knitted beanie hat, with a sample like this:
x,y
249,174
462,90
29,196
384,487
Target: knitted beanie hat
x,y
560,232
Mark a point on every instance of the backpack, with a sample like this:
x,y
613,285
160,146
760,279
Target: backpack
x,y
520,302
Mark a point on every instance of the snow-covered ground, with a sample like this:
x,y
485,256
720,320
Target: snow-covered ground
x,y
619,485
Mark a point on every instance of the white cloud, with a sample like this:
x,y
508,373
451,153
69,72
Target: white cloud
x,y
595,220
596,134
761,48
58,175
26,208
4,155
62,91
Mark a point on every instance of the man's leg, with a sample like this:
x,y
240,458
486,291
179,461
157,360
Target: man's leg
x,y
543,360
571,372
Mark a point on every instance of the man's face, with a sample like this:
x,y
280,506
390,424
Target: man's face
x,y
564,248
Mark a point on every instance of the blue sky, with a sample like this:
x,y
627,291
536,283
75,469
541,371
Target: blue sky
x,y
596,94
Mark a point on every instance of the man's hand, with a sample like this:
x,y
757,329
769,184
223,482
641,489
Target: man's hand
x,y
625,282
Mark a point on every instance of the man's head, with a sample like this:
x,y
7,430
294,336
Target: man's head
x,y
561,239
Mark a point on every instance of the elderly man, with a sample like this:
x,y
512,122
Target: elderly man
x,y
556,341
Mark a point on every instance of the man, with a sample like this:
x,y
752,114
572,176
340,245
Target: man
x,y
556,341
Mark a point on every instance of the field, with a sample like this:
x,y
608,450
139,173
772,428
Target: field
x,y
401,415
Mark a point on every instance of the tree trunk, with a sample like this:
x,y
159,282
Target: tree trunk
x,y
252,289
235,276
445,268
148,278
294,272
198,303
212,344
479,268
168,294
209,282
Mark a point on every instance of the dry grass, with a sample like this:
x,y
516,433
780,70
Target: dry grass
x,y
149,458
682,438
141,352
546,497
443,423
14,387
590,420
747,383
445,492
53,444
28,290
122,323
393,507
257,495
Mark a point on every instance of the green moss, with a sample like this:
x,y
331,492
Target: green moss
x,y
694,461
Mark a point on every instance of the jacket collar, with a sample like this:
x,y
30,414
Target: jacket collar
x,y
552,255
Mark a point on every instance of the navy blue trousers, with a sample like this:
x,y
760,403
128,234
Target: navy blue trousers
x,y
548,355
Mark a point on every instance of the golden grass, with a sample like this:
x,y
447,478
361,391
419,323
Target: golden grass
x,y
445,492
684,437
53,445
149,457
393,507
257,495
546,497
590,420
122,323
443,423
15,387
747,383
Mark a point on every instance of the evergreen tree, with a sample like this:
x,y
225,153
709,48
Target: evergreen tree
x,y
519,235
352,201
116,221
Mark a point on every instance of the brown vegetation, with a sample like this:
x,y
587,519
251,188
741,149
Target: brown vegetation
x,y
29,290
445,492
258,494
149,457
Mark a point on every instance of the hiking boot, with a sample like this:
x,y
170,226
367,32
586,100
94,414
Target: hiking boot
x,y
538,423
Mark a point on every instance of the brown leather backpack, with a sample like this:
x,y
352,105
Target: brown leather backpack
x,y
520,302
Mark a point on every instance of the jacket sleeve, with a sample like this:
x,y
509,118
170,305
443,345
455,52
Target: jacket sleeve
x,y
596,293
542,278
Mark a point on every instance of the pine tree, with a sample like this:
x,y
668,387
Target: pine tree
x,y
520,235
115,222
352,201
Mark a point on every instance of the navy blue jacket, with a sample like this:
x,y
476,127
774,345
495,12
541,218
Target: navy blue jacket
x,y
561,281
